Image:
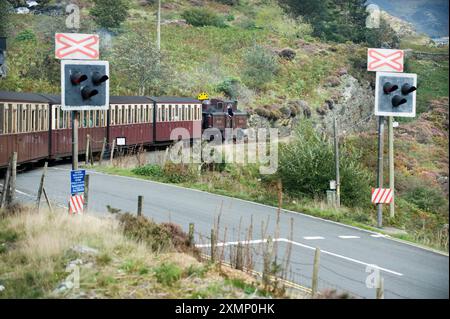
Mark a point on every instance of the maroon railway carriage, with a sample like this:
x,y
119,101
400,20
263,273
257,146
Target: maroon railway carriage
x,y
35,126
177,113
24,127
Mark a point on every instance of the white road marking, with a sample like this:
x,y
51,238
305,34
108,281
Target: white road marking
x,y
259,241
379,236
348,237
313,237
342,257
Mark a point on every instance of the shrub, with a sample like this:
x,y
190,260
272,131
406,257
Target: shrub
x,y
178,173
203,17
143,229
26,35
229,2
307,165
168,273
426,198
109,13
230,87
150,170
261,65
263,112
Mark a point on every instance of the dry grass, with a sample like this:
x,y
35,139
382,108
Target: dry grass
x,y
37,248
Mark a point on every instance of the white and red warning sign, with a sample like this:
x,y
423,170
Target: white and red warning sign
x,y
385,60
76,204
77,46
382,195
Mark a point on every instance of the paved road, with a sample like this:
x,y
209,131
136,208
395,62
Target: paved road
x,y
408,271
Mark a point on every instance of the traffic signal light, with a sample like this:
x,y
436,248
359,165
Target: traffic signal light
x,y
395,94
84,85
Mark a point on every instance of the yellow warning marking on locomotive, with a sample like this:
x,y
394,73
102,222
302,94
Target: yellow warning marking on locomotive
x,y
203,96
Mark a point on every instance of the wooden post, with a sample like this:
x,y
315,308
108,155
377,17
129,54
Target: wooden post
x,y
41,187
112,152
11,195
88,141
213,246
240,257
267,259
103,151
75,120
380,288
191,234
315,277
336,158
86,193
380,168
139,208
47,200
391,165
5,186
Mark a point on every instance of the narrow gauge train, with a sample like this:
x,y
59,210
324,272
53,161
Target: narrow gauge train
x,y
36,128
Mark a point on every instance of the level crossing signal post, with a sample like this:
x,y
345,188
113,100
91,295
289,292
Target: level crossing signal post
x,y
395,95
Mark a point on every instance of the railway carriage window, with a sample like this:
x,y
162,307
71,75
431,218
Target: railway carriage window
x,y
10,118
40,119
14,119
19,118
97,118
54,118
26,116
163,113
146,114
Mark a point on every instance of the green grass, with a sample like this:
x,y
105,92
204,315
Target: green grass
x,y
432,80
168,273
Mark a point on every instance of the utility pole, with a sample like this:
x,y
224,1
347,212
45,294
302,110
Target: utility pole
x,y
380,168
158,28
336,157
75,120
391,165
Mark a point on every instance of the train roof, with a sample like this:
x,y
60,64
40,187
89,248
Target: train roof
x,y
129,100
174,99
56,99
7,96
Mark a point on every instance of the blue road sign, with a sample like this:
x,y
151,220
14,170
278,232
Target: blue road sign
x,y
77,181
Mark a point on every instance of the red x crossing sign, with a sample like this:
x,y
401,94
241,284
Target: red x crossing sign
x,y
77,46
385,60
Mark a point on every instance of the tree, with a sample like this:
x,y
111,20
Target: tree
x,y
110,14
140,64
382,37
203,17
335,20
306,166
